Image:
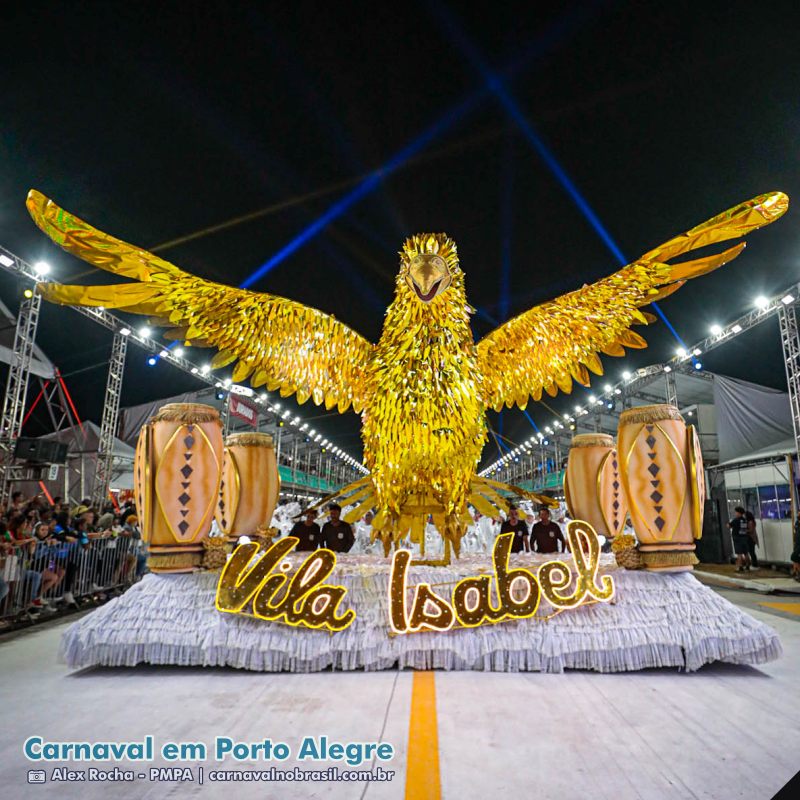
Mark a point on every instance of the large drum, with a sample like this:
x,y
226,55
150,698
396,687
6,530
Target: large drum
x,y
592,484
177,473
250,484
662,473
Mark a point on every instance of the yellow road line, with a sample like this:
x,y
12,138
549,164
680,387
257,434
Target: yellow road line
x,y
789,608
423,781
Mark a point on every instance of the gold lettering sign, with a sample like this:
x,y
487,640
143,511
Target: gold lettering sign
x,y
555,576
261,586
472,604
303,600
471,601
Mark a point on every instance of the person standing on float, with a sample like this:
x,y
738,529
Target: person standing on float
x,y
337,535
308,532
546,535
364,534
515,525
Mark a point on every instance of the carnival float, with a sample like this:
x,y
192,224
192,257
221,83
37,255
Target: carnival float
x,y
422,391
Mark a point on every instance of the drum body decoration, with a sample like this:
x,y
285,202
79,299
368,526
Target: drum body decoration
x,y
250,484
177,472
592,484
662,474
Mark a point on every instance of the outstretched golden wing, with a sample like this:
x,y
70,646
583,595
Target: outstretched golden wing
x,y
549,346
285,345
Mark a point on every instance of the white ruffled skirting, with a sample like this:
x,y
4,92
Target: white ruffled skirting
x,y
657,620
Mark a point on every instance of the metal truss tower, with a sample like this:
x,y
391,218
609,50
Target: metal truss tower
x,y
19,371
670,388
108,426
17,387
790,339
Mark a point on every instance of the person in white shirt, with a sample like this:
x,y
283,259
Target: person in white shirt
x,y
363,543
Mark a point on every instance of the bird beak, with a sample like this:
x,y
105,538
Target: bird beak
x,y
428,276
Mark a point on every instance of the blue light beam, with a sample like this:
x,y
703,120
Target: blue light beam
x,y
497,86
367,186
552,37
530,419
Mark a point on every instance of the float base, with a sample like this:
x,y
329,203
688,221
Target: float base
x,y
656,620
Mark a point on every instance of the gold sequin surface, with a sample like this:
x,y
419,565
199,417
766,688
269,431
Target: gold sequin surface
x,y
424,388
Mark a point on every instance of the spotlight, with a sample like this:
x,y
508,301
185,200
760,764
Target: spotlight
x,y
152,361
667,368
697,351
276,406
27,294
737,328
698,365
761,302
566,416
124,331
577,409
680,352
194,370
205,369
6,261
626,376
716,330
617,391
41,268
607,387
787,299
163,354
144,331
178,352
609,405
220,395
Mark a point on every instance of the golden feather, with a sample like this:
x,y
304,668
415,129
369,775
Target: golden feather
x,y
289,344
524,355
425,386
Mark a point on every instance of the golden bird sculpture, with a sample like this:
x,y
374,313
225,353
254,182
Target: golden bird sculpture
x,y
424,388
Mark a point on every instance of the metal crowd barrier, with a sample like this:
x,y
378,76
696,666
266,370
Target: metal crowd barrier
x,y
39,577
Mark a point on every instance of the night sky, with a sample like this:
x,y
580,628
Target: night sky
x,y
153,122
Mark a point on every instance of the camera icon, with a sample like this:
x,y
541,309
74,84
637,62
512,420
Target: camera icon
x,y
37,776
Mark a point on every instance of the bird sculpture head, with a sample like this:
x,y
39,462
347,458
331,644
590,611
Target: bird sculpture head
x,y
428,265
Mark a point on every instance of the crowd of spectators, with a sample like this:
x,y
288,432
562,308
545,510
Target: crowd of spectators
x,y
51,553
